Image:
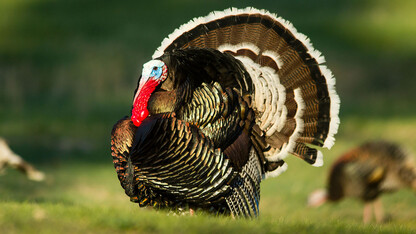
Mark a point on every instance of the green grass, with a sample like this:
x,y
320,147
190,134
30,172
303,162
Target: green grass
x,y
84,195
53,218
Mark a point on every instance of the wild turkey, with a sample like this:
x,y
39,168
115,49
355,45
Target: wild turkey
x,y
365,172
224,100
9,159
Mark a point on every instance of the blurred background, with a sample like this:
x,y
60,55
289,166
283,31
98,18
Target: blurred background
x,y
68,70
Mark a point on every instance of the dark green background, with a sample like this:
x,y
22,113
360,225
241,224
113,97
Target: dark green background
x,y
68,69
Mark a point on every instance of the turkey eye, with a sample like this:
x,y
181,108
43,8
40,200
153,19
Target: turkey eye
x,y
154,68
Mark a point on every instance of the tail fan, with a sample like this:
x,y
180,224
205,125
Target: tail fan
x,y
294,93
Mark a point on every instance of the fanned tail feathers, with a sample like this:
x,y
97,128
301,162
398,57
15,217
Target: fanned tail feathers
x,y
294,94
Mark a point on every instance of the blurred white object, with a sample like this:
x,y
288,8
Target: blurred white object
x,y
317,198
9,159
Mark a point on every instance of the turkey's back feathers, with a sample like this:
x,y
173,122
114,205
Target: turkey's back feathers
x,y
212,93
205,65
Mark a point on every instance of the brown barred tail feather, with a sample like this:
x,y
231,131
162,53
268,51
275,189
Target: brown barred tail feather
x,y
293,95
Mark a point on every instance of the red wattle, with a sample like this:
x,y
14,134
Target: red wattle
x,y
140,112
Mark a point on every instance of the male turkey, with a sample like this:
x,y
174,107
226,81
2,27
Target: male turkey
x,y
224,100
365,172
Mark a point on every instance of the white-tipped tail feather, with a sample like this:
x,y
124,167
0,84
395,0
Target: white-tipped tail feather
x,y
319,160
276,172
334,109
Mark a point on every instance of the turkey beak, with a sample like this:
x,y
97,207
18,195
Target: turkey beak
x,y
142,82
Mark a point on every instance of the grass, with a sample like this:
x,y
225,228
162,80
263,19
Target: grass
x,y
52,218
84,195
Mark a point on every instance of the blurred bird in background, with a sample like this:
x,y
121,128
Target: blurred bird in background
x,y
365,173
9,159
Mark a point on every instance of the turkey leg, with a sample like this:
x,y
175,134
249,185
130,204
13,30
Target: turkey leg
x,y
378,210
367,212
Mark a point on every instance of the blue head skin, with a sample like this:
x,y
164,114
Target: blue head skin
x,y
156,72
152,70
